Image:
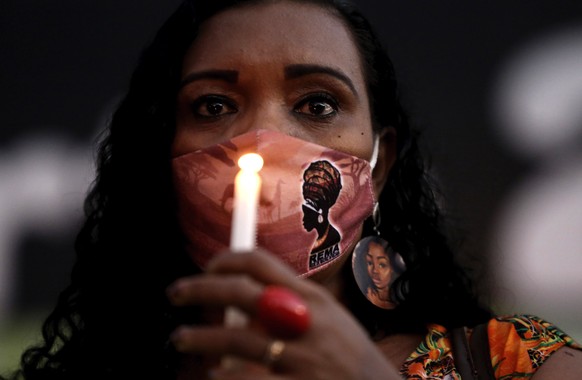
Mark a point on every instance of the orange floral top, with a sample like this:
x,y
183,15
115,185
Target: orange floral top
x,y
519,345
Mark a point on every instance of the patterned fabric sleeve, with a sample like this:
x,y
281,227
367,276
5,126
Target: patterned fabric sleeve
x,y
520,344
432,359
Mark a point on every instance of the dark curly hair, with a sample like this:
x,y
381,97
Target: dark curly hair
x,y
113,320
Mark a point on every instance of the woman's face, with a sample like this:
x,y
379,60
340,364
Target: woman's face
x,y
378,265
284,66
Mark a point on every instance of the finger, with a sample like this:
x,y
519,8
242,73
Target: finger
x,y
243,343
237,290
261,265
224,374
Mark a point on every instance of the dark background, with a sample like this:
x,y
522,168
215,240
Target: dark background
x,y
63,63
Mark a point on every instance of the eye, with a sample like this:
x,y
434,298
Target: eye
x,y
317,105
212,106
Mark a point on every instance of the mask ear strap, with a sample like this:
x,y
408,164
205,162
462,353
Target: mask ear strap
x,y
377,218
374,158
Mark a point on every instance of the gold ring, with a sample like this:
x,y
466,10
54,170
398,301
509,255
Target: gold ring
x,y
274,352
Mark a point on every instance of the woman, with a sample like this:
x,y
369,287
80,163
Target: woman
x,y
304,79
321,189
376,266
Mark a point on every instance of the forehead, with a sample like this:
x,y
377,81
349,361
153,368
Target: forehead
x,y
375,249
277,32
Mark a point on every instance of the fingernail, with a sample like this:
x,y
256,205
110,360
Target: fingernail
x,y
173,291
176,338
216,373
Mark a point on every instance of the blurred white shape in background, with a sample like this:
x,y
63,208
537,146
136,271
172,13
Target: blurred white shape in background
x,y
43,181
538,101
537,254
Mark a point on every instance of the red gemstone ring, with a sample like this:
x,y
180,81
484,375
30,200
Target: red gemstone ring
x,y
282,312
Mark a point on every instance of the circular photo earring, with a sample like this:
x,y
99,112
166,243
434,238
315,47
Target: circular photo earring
x,y
376,266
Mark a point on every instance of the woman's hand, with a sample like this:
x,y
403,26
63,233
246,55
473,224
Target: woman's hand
x,y
335,346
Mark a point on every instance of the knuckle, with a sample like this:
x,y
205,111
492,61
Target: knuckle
x,y
237,286
236,343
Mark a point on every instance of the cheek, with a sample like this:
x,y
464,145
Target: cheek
x,y
356,140
386,273
184,140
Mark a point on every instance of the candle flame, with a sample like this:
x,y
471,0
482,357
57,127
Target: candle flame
x,y
251,161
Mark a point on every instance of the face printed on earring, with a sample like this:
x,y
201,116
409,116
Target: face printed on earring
x,y
376,266
313,199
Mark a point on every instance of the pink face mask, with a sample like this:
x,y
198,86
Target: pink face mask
x,y
312,204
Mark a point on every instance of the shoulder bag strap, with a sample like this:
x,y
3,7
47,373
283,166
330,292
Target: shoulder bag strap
x,y
479,344
472,358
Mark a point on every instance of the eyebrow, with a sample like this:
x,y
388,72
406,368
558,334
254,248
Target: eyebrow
x,y
230,76
299,70
368,254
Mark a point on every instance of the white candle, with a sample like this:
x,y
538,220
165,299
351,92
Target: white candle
x,y
247,187
243,233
